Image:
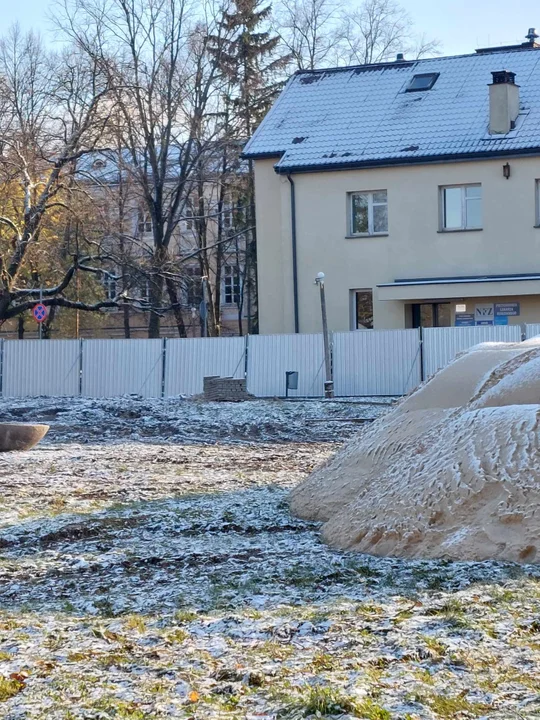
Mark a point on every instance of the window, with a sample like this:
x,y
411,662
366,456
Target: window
x,y
362,309
231,285
461,207
143,289
144,224
188,219
431,315
424,81
227,217
109,283
369,213
193,286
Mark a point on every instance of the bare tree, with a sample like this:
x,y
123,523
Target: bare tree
x,y
52,114
309,30
321,32
378,30
163,85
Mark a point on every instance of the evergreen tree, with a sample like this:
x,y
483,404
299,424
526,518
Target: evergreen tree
x,y
253,74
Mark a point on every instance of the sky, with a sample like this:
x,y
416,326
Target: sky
x,y
461,26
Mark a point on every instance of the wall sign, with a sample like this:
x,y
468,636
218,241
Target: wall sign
x,y
464,319
501,319
484,314
507,309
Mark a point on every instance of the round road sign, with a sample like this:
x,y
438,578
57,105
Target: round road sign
x,y
39,312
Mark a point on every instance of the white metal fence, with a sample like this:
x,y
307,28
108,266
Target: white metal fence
x,y
31,368
532,330
381,362
121,367
271,356
441,345
189,360
365,362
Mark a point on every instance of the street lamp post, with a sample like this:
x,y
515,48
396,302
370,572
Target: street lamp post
x,y
329,383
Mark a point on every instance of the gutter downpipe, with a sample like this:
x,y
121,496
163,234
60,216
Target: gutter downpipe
x,y
294,255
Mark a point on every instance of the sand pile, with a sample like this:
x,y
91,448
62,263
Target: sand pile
x,y
453,471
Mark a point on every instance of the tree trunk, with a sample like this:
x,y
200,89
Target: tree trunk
x,y
173,297
127,328
156,297
20,327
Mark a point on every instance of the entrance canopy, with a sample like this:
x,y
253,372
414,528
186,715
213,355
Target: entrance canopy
x,y
471,286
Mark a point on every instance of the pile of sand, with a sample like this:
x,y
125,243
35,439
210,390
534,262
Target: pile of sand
x,y
453,471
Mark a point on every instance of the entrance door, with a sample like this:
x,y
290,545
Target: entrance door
x,y
431,315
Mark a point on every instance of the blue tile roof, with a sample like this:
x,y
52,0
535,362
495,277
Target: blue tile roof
x,y
363,115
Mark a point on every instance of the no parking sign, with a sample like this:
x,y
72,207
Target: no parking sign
x,y
39,312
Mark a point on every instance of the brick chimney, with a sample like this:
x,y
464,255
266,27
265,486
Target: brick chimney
x,y
503,102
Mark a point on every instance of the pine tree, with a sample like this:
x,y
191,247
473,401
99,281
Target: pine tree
x,y
253,72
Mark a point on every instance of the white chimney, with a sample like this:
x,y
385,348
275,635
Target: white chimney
x,y
503,102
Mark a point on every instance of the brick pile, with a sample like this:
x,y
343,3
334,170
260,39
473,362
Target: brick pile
x,y
226,389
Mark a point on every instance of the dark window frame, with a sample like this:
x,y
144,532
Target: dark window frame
x,y
434,77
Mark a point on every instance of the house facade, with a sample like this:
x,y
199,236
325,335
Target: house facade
x,y
414,187
206,255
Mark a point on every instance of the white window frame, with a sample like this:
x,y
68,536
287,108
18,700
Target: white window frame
x,y
537,202
227,215
442,207
144,223
371,204
189,218
229,279
110,285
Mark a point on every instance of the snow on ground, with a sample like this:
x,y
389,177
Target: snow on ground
x,y
149,568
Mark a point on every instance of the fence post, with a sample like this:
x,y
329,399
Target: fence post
x,y
246,351
421,341
163,366
2,366
81,369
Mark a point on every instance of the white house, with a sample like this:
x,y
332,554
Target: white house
x,y
413,185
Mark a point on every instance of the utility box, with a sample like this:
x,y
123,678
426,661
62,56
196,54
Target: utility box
x,y
291,381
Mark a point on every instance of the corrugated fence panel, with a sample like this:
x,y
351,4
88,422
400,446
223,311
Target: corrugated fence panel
x,y
40,367
122,367
271,356
189,360
376,362
532,330
441,345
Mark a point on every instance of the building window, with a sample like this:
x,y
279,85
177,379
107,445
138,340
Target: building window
x,y
369,213
461,207
144,224
231,285
363,310
423,81
144,289
431,315
188,218
110,285
193,286
227,215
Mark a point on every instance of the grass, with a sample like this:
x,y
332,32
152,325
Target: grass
x,y
453,613
9,687
323,700
434,645
135,622
449,707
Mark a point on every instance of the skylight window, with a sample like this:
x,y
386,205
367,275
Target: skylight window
x,y
425,81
